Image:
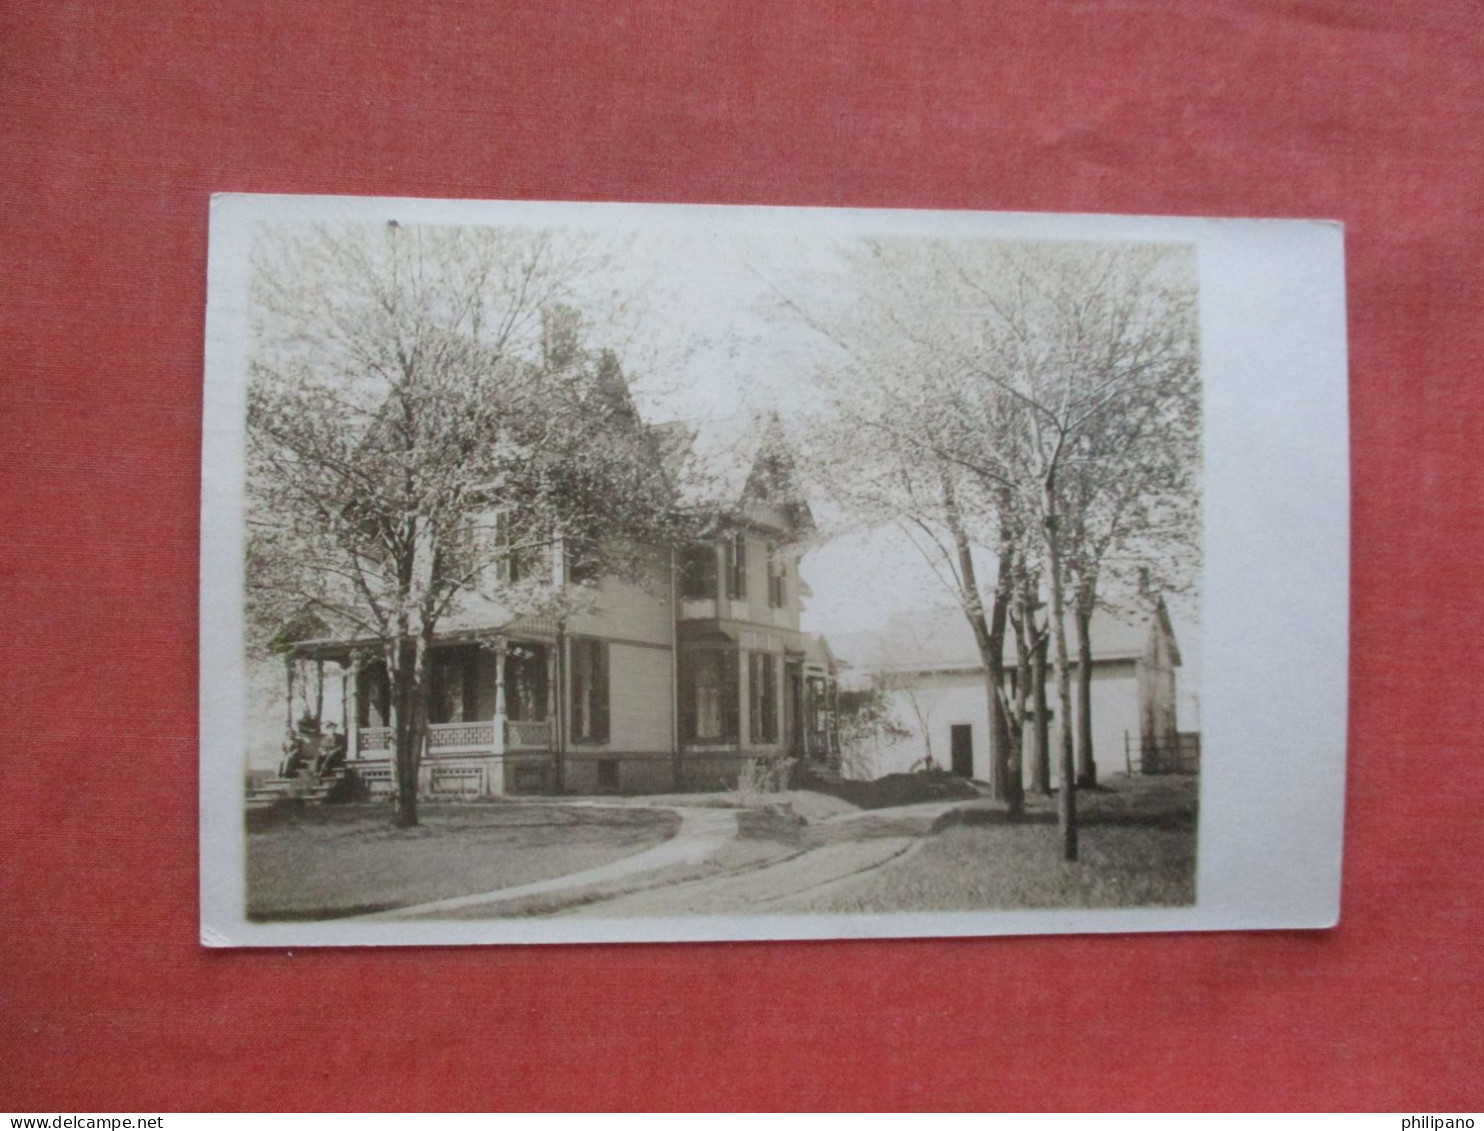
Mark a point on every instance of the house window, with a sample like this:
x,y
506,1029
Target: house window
x,y
698,573
524,548
708,696
582,559
762,680
589,690
777,578
736,555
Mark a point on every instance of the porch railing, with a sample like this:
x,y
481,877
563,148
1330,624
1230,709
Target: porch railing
x,y
449,737
524,735
462,738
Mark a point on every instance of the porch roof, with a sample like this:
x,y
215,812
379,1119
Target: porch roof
x,y
451,630
728,634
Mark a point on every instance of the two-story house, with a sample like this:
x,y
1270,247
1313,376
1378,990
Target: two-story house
x,y
751,682
670,677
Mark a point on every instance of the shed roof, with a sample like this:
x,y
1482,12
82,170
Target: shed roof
x,y
941,640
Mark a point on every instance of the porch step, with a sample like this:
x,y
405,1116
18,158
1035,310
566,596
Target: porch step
x,y
308,788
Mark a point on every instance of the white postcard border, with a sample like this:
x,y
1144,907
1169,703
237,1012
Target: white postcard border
x,y
1275,591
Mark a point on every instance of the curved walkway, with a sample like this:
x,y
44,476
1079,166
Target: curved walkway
x,y
701,834
850,846
763,888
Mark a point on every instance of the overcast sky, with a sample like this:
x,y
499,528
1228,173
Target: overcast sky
x,y
712,335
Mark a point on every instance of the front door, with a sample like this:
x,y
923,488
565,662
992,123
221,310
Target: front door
x,y
961,745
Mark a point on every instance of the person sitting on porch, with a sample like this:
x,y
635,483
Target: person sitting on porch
x,y
293,759
331,751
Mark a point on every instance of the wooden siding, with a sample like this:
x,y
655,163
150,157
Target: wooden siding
x,y
934,703
640,692
629,610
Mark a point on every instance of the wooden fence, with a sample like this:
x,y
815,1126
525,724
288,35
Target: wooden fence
x,y
1181,757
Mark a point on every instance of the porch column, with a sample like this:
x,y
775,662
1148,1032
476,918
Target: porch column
x,y
494,778
780,692
352,701
551,692
499,745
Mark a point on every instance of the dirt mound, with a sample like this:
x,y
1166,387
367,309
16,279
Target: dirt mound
x,y
899,789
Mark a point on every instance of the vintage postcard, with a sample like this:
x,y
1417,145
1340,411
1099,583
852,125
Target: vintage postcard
x,y
590,572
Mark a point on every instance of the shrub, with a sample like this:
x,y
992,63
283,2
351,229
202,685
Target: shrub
x,y
760,776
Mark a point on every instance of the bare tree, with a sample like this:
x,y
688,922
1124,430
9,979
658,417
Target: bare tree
x,y
1040,400
1083,346
1133,504
877,447
423,412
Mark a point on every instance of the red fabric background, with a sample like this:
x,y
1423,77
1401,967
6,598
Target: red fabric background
x,y
118,120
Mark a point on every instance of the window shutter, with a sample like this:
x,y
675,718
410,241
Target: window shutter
x,y
599,676
579,690
768,696
687,682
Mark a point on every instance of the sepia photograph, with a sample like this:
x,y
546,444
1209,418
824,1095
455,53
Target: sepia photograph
x,y
605,572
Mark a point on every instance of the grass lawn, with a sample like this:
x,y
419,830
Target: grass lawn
x,y
1137,849
328,861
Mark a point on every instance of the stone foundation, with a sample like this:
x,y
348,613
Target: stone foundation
x,y
590,772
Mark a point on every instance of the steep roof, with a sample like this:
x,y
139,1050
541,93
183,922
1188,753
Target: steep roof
x,y
941,640
725,463
709,460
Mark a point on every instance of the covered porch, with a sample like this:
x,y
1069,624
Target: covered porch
x,y
493,707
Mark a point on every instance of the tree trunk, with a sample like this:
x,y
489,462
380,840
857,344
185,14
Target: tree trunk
x,y
559,692
1087,767
1020,716
1041,762
410,689
1001,747
409,708
989,635
1067,807
1033,681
